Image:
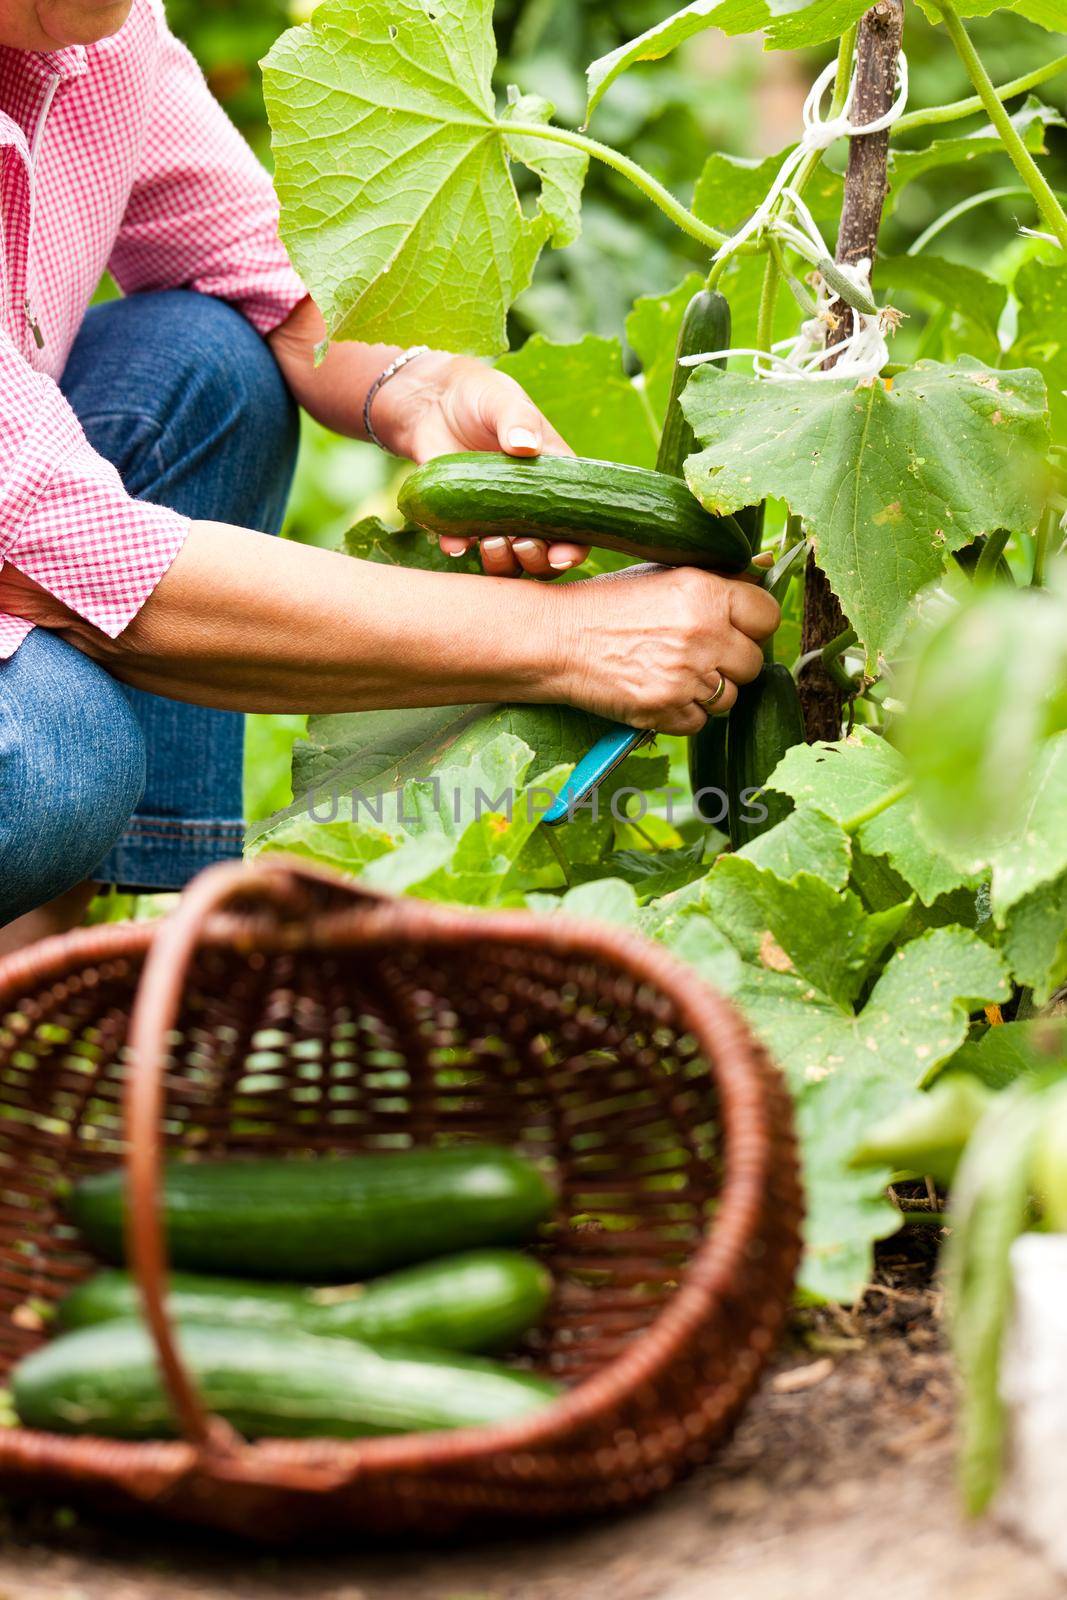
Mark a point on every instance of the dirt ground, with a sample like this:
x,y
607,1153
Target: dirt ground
x,y
839,1482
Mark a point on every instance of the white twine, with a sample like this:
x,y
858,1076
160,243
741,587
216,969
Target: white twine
x,y
819,134
1048,238
863,351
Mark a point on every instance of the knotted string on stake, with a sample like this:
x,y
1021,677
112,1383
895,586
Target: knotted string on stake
x,y
819,134
863,352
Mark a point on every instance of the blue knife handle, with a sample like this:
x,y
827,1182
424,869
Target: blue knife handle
x,y
608,752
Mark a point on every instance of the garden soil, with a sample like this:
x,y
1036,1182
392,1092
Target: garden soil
x,y
839,1482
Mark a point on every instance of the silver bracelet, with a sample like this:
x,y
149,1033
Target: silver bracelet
x,y
395,366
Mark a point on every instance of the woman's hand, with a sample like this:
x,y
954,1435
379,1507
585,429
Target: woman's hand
x,y
649,646
443,403
437,404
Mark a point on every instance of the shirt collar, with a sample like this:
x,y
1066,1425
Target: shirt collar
x,y
70,62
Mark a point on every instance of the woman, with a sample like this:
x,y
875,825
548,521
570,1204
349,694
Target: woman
x,y
146,449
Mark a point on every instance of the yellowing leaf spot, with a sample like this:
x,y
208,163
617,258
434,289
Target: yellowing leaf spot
x,y
498,825
892,513
997,417
772,955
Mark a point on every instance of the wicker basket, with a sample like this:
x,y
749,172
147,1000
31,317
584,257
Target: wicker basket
x,y
283,1010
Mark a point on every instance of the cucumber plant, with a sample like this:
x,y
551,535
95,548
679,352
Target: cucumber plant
x,y
865,932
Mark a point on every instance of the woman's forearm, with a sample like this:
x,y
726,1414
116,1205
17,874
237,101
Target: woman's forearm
x,y
332,391
249,623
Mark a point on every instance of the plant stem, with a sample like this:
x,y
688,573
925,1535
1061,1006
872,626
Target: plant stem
x,y
946,218
830,656
648,185
1024,163
876,807
968,107
557,850
717,270
985,568
772,279
1046,528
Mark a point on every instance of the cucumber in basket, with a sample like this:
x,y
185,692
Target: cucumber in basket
x,y
635,510
310,1219
482,1300
105,1380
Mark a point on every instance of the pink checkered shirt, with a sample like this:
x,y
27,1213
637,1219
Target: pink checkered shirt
x,y
113,155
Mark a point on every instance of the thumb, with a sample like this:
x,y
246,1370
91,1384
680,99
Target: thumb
x,y
520,427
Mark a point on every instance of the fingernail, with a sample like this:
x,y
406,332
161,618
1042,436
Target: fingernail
x,y
455,554
526,547
494,546
560,564
523,439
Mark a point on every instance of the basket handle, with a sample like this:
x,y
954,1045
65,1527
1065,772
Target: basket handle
x,y
281,881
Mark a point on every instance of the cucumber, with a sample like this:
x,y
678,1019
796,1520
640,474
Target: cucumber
x,y
105,1380
705,326
765,722
315,1219
480,1301
630,509
708,774
969,557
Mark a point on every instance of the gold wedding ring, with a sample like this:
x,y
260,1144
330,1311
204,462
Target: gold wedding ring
x,y
713,699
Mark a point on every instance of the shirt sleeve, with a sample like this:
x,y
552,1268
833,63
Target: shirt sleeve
x,y
202,213
66,520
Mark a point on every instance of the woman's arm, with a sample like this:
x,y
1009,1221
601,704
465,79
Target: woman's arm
x,y
438,404
255,624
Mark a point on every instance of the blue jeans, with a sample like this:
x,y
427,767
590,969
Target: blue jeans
x,y
98,780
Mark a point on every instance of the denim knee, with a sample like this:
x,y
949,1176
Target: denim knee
x,y
182,394
72,769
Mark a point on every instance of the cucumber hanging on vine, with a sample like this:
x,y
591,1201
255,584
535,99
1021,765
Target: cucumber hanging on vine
x,y
765,722
705,326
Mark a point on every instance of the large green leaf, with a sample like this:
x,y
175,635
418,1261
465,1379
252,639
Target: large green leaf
x,y
980,706
1046,13
1034,939
801,926
1030,122
1035,852
392,166
848,1071
962,289
1041,336
888,479
730,188
848,777
807,840
1013,1050
585,394
789,25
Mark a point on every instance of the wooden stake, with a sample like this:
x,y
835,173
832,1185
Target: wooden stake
x,y
866,182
